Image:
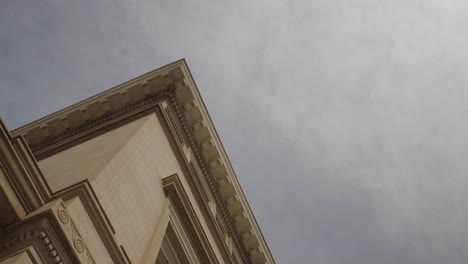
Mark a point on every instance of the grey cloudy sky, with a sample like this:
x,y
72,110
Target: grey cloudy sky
x,y
345,120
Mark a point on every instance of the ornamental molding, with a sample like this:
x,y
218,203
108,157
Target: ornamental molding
x,y
193,128
46,234
179,202
84,191
22,173
71,232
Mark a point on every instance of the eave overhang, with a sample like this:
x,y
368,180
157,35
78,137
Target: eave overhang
x,y
174,82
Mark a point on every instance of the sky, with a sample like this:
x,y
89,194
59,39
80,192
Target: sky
x,y
345,120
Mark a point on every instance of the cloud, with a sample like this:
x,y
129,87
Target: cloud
x,y
344,119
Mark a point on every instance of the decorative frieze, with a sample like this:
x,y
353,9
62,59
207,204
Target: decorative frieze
x,y
44,130
207,144
64,122
41,234
63,215
73,235
105,105
84,113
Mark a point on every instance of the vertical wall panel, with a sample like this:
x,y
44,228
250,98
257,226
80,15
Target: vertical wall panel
x,y
130,186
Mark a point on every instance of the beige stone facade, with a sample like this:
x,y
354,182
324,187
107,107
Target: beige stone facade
x,y
136,174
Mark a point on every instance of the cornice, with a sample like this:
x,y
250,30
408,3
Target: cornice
x,y
51,231
105,98
174,83
211,152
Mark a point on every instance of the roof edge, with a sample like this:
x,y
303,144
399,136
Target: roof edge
x,y
178,76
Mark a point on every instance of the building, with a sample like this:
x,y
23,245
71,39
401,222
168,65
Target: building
x,y
136,174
